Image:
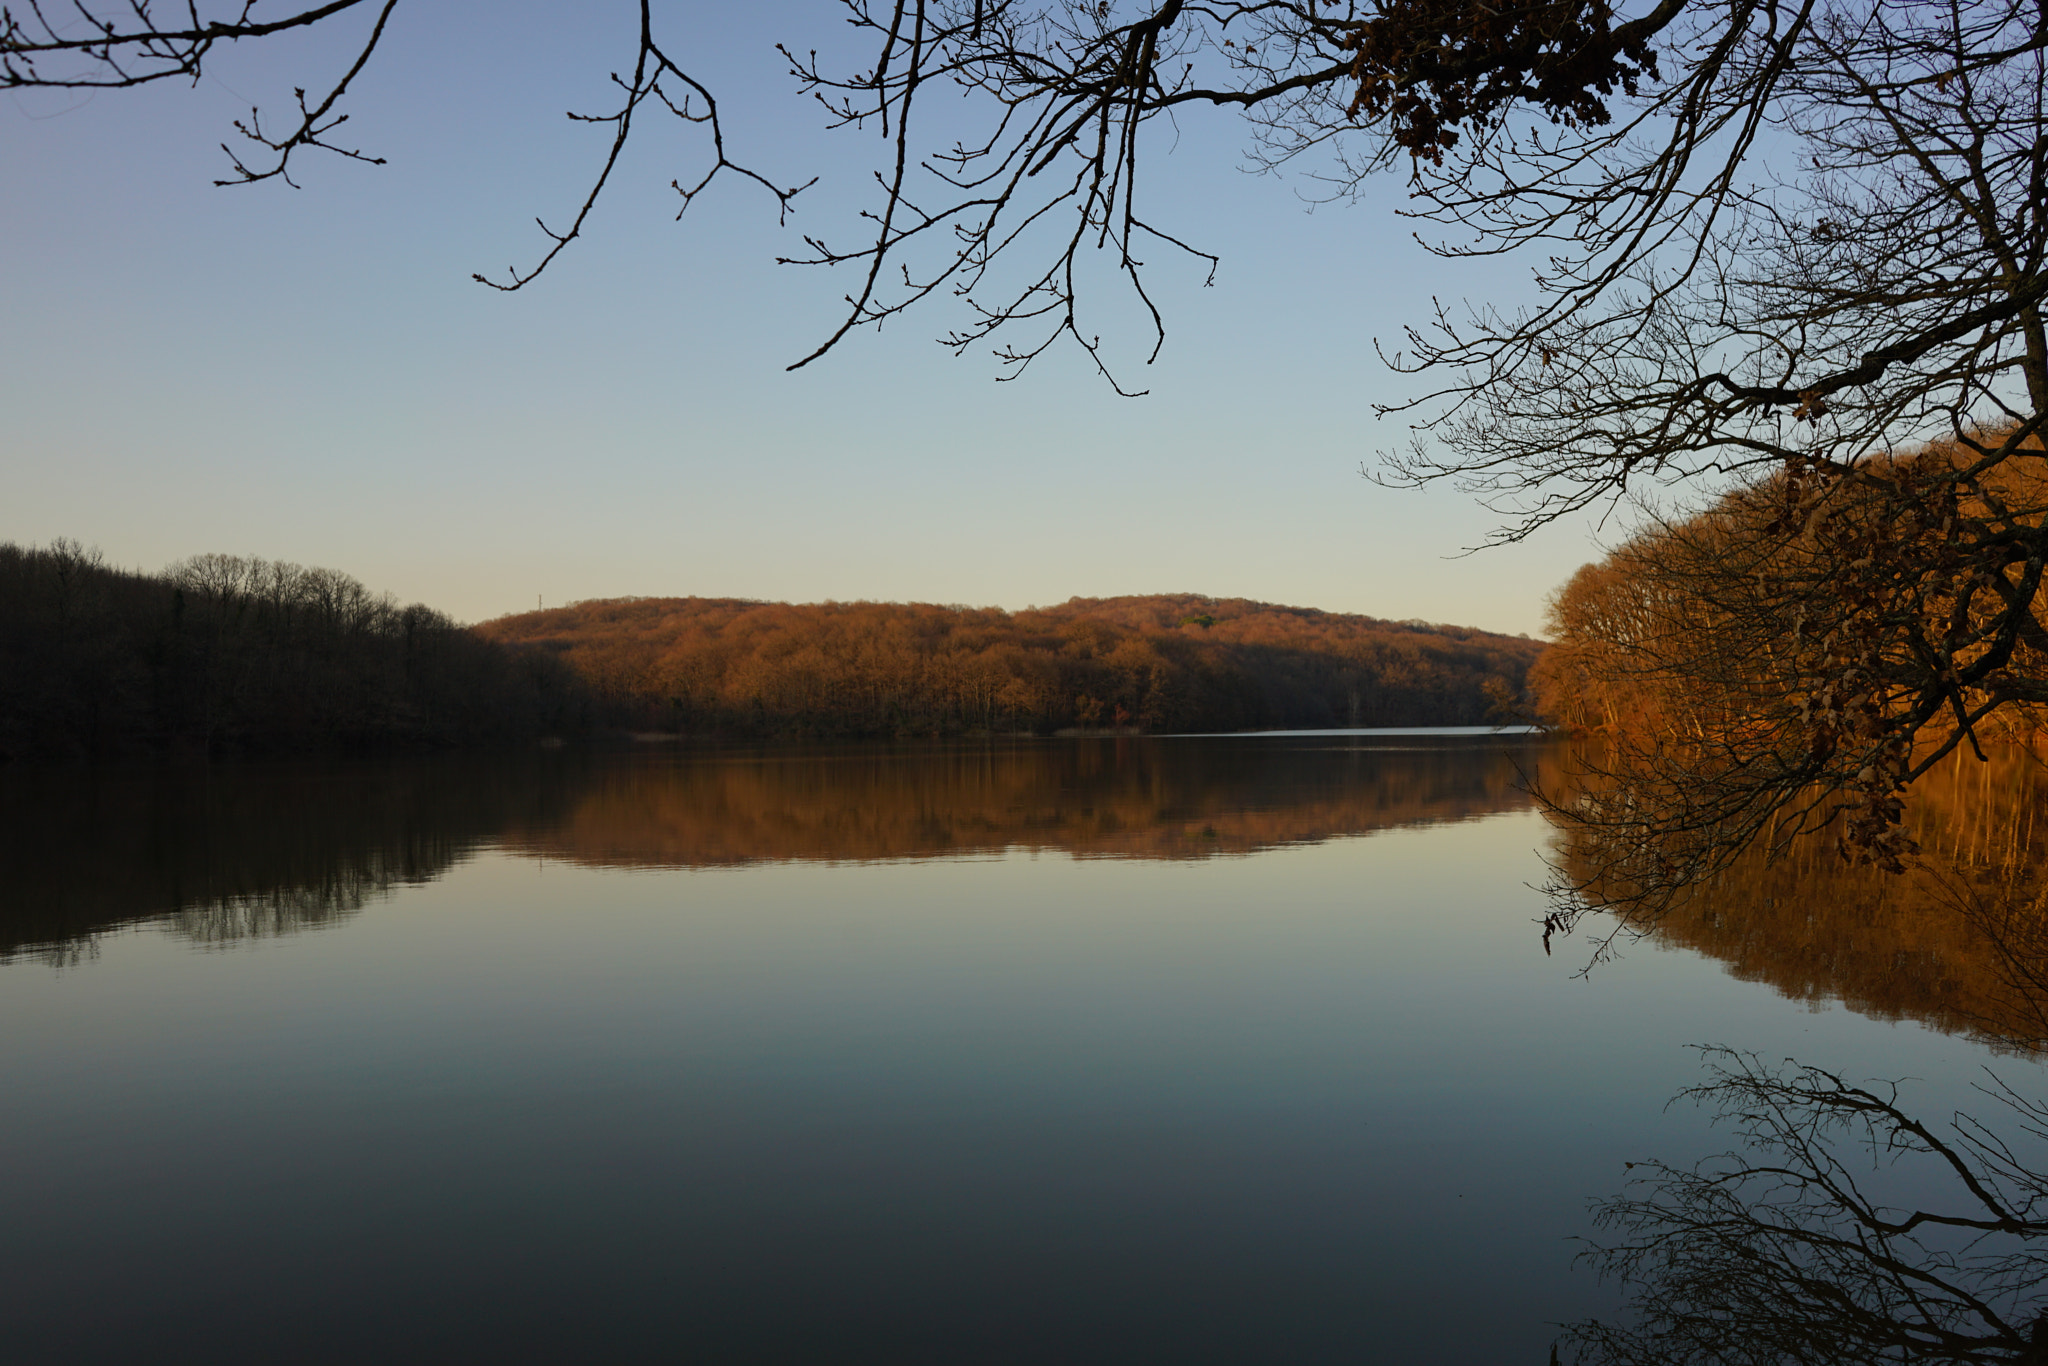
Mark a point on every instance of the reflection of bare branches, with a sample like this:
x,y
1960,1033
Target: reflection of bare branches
x,y
2010,917
223,921
1816,1241
218,922
59,954
280,911
222,855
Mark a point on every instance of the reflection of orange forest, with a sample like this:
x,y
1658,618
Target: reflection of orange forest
x,y
1151,799
1779,673
235,852
1959,941
1164,663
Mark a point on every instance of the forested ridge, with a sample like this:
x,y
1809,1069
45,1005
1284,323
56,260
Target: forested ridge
x,y
230,654
1781,671
1821,598
1161,663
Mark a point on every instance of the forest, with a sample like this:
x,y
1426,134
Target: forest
x,y
1163,663
1793,656
223,654
1882,586
1823,689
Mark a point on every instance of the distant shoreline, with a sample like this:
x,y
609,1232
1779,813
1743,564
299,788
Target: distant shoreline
x,y
1516,732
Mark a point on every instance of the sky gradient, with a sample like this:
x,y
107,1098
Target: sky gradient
x,y
311,374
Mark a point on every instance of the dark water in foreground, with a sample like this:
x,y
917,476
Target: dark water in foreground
x,y
1201,1050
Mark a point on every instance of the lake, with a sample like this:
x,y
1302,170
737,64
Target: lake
x,y
1207,1049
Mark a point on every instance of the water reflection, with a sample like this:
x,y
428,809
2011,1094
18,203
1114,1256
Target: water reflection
x,y
1171,799
880,1095
1843,1228
1958,942
228,853
224,854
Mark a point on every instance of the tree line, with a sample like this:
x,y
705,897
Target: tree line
x,y
222,654
1795,655
1865,587
1172,662
226,654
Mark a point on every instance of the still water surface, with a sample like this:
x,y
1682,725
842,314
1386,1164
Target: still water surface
x,y
1183,1050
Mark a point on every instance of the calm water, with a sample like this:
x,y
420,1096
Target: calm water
x,y
1191,1050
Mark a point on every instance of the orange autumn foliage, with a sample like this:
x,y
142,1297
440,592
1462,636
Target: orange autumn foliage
x,y
1172,662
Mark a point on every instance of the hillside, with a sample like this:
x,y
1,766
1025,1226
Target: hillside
x,y
222,654
1170,662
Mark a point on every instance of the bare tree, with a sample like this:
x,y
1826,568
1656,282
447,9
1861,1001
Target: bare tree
x,y
1770,239
1814,270
1042,162
1707,306
1787,662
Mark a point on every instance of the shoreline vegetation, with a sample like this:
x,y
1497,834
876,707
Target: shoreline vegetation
x,y
1130,665
229,655
1759,770
222,654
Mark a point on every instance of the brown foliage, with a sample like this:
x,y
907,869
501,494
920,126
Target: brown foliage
x,y
1123,798
1162,663
1797,654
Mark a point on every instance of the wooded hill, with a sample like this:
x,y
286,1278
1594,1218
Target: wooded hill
x,y
1170,662
1738,619
225,654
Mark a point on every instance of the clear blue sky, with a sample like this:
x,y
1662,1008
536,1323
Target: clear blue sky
x,y
311,375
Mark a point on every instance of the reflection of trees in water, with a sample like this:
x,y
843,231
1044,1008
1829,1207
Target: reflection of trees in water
x,y
1129,798
223,854
227,920
1842,1230
220,855
1959,941
283,910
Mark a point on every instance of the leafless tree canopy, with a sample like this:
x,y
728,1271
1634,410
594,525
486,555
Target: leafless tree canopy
x,y
1774,242
1040,164
1764,231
